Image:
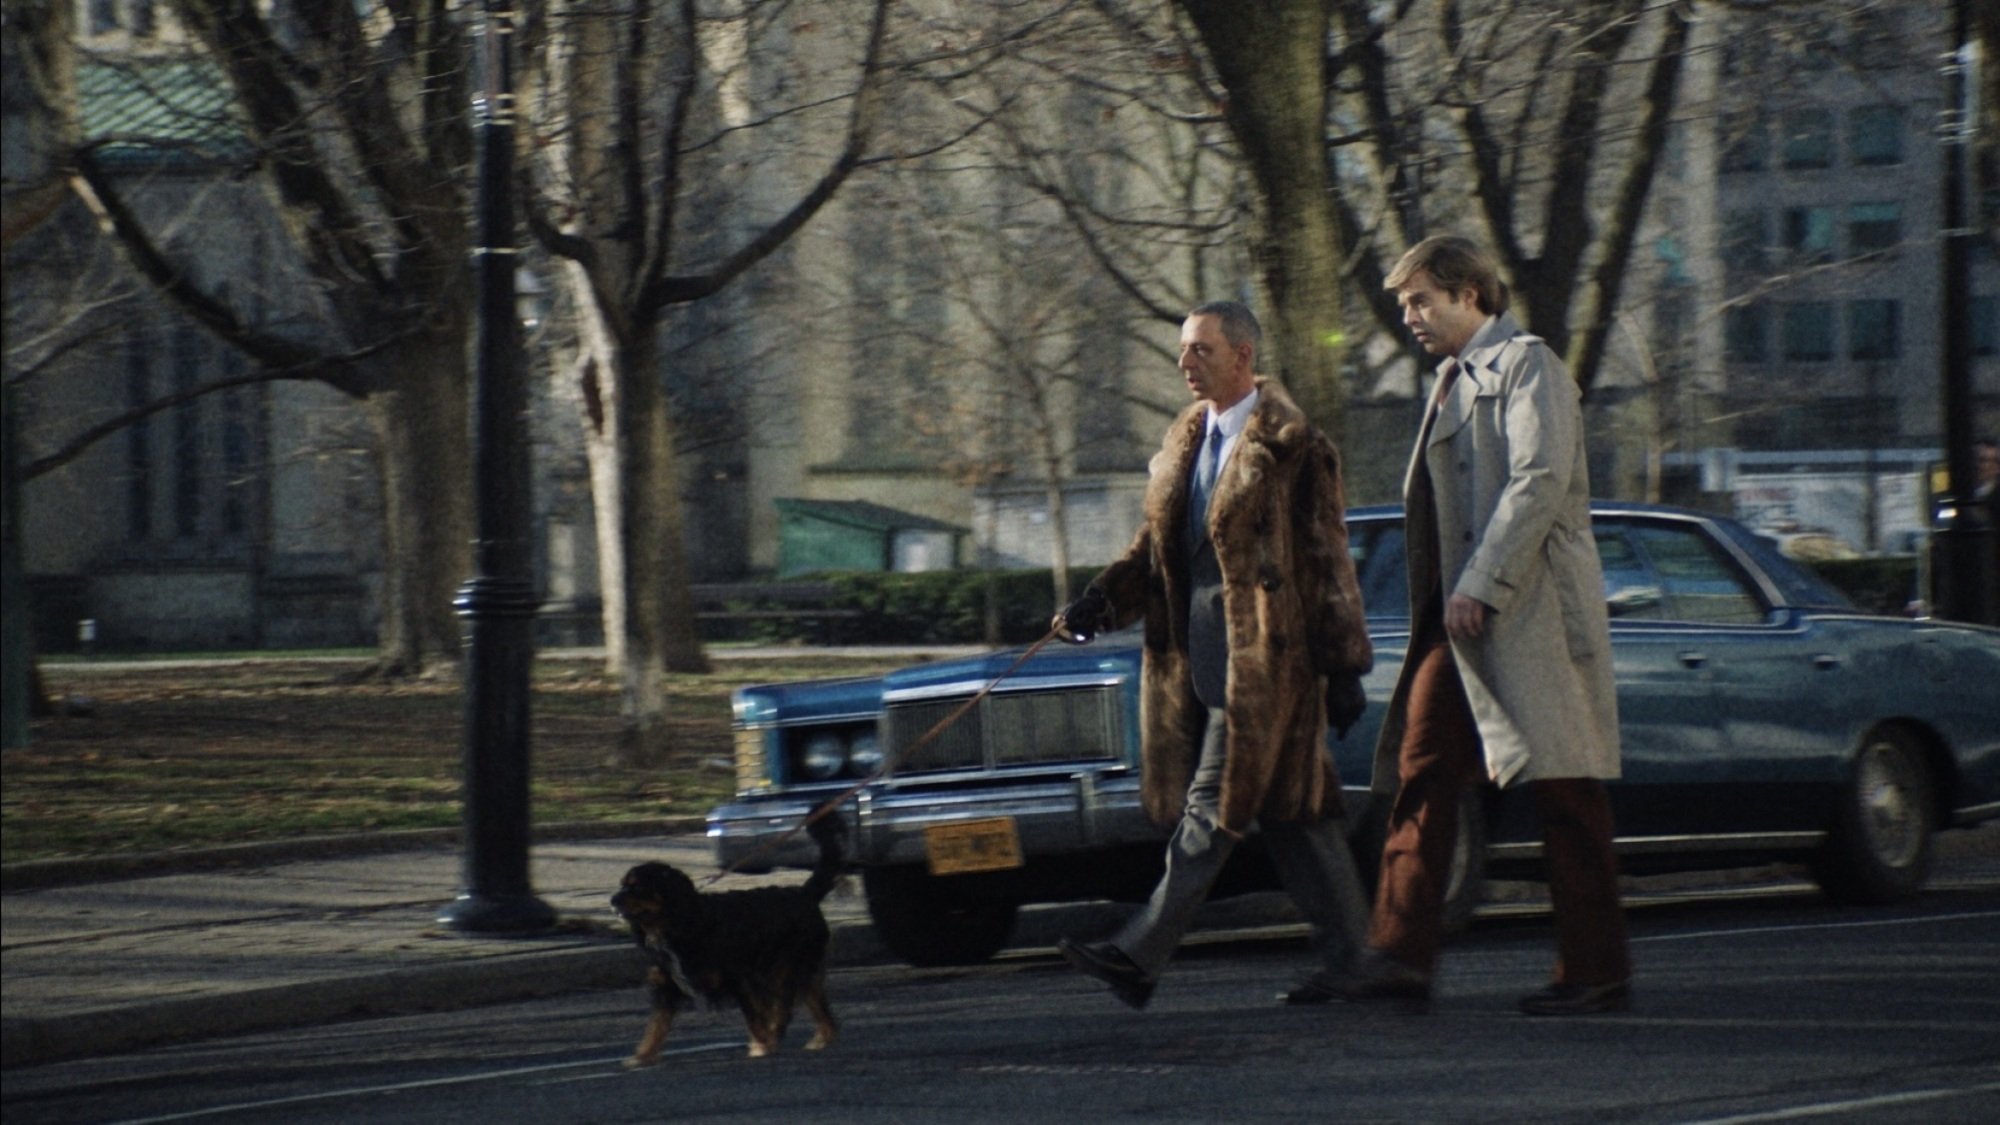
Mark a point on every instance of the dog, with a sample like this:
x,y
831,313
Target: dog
x,y
764,948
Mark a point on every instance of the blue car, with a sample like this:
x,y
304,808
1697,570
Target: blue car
x,y
1762,717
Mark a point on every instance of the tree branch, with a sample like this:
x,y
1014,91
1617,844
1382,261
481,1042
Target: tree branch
x,y
275,353
659,292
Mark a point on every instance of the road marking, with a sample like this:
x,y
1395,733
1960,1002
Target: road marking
x,y
1852,1105
397,1087
1067,1068
1926,919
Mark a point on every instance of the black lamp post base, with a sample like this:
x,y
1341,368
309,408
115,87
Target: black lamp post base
x,y
505,914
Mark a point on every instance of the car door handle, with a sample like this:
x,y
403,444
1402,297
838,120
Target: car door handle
x,y
1694,659
1826,661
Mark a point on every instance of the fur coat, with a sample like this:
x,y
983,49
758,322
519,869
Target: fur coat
x,y
1291,607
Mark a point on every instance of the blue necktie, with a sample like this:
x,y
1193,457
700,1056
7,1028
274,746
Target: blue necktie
x,y
1205,467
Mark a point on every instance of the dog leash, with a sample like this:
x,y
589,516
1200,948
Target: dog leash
x,y
889,763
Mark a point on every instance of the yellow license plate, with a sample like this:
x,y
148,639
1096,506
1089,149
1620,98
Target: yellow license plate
x,y
962,846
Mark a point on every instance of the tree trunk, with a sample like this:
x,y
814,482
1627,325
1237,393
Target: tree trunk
x,y
1270,58
649,618
606,493
1599,297
420,426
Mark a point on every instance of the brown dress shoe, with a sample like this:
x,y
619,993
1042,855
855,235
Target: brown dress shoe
x,y
1109,964
1579,999
1377,978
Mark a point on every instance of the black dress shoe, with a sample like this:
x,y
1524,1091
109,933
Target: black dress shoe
x,y
1109,964
1317,988
1377,978
1579,999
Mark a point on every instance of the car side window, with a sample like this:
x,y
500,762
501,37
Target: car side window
x,y
1697,579
1377,549
1630,590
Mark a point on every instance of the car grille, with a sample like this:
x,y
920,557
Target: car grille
x,y
1010,729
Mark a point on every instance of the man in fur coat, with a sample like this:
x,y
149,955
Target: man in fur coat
x,y
1254,638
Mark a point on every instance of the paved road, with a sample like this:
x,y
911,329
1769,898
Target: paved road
x,y
1754,1007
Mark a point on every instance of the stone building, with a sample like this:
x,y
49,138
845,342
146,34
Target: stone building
x,y
242,518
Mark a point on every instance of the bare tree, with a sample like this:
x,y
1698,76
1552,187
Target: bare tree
x,y
357,116
637,109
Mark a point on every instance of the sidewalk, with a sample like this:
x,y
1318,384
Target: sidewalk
x,y
282,938
105,966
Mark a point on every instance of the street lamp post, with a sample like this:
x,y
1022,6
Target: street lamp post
x,y
1965,577
498,602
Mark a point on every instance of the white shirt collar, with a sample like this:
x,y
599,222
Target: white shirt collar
x,y
1232,420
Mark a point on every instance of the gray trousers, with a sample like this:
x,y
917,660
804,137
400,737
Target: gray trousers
x,y
1312,860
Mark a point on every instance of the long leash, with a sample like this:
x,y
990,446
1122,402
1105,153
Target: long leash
x,y
889,762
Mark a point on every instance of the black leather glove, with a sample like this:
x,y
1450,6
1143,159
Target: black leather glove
x,y
1345,701
1081,619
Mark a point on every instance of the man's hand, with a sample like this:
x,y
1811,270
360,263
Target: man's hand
x,y
1081,619
1345,701
1465,618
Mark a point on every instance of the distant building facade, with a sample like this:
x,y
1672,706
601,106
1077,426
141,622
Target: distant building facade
x,y
1782,314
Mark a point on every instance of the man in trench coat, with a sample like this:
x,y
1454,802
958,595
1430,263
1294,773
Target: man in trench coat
x,y
1508,676
1254,639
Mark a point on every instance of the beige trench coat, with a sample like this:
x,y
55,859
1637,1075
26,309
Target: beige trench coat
x,y
1499,474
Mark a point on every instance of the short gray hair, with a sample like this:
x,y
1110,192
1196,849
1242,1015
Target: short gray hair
x,y
1239,324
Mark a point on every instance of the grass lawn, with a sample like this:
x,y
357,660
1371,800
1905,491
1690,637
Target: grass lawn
x,y
264,749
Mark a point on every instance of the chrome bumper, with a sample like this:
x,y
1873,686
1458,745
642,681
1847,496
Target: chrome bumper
x,y
1081,811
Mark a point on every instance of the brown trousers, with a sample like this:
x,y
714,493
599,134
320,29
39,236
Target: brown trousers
x,y
1438,761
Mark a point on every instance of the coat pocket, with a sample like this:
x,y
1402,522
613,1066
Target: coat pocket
x,y
1578,590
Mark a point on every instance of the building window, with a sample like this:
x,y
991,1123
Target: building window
x,y
1874,226
1746,236
138,445
1745,334
1809,233
144,22
1875,135
1821,422
235,463
103,16
1872,329
1808,332
1986,326
188,437
1746,143
1809,138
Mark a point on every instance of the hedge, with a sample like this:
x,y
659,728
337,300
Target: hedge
x,y
931,607
949,606
1878,585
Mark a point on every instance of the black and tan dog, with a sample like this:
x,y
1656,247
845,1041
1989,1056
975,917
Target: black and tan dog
x,y
764,948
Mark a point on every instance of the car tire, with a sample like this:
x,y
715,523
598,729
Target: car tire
x,y
926,925
1880,847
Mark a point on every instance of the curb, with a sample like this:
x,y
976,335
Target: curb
x,y
41,874
504,978
34,1040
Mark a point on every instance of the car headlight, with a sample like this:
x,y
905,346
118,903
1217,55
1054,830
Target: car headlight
x,y
864,754
823,756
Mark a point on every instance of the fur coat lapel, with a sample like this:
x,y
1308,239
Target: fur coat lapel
x,y
1291,603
